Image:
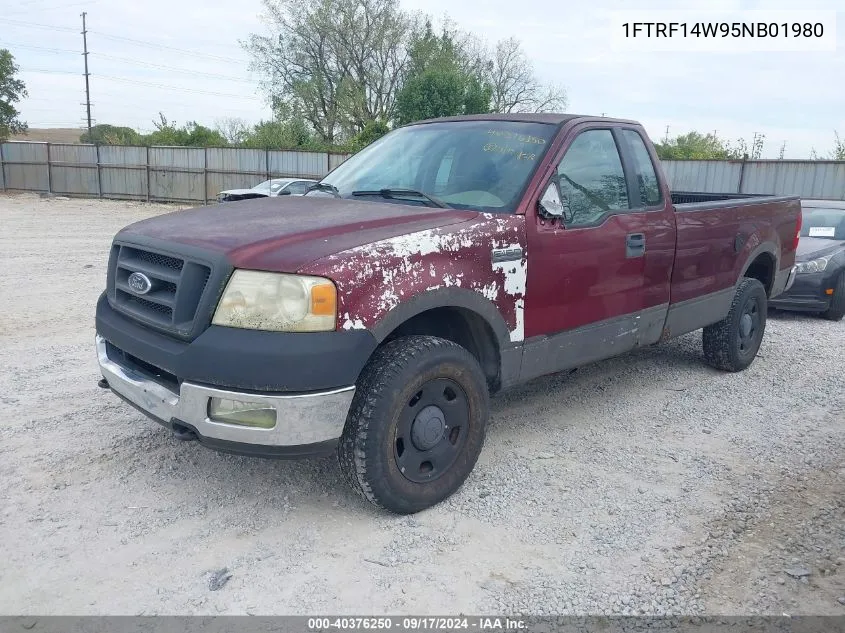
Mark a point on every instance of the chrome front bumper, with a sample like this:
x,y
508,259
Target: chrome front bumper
x,y
301,418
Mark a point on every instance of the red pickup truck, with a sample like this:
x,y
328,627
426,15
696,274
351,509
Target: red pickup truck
x,y
449,260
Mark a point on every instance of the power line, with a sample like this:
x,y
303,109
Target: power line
x,y
171,48
39,48
55,6
178,88
48,71
172,68
34,25
144,83
130,60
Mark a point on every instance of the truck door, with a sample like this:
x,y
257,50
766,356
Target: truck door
x,y
598,278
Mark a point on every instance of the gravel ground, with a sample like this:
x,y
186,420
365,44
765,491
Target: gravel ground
x,y
644,484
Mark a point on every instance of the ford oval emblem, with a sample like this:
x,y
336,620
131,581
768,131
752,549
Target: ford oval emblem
x,y
139,283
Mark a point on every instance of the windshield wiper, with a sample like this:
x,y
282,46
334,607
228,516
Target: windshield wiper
x,y
324,186
394,194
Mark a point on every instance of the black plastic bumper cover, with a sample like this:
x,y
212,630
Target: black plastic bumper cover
x,y
245,359
807,293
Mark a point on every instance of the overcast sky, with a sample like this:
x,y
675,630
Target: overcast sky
x,y
798,98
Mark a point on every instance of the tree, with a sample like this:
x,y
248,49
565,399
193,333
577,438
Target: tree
x,y
516,87
838,148
336,63
695,146
233,129
192,134
12,90
105,134
292,134
442,80
373,131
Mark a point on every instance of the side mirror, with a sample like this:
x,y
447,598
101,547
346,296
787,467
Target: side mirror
x,y
550,205
284,192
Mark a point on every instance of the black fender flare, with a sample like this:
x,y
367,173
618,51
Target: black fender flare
x,y
769,248
451,297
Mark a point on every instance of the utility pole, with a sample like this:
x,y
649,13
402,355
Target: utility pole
x,y
87,87
666,138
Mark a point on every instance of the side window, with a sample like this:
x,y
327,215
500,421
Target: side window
x,y
298,188
591,178
647,183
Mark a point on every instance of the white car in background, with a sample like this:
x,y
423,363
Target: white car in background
x,y
268,189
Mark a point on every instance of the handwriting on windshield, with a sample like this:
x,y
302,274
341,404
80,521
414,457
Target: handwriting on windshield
x,y
503,149
522,138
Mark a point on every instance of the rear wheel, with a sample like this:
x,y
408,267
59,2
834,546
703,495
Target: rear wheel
x,y
837,305
733,343
416,425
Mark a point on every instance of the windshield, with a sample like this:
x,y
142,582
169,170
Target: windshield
x,y
480,165
826,223
272,185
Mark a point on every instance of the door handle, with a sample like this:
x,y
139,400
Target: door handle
x,y
634,245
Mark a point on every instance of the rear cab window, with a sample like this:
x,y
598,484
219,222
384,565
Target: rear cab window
x,y
647,184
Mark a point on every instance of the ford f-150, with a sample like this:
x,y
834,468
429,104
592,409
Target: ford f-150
x,y
448,260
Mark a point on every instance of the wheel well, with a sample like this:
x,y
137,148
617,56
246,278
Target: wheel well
x,y
763,270
461,326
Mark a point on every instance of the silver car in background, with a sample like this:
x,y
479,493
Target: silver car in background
x,y
268,189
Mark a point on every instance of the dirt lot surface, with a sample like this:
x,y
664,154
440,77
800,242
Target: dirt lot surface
x,y
646,484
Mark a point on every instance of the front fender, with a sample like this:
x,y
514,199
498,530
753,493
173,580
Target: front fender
x,y
479,265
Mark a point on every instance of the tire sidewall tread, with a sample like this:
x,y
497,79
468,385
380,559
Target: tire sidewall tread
x,y
365,451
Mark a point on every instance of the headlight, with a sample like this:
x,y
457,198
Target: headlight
x,y
258,300
813,266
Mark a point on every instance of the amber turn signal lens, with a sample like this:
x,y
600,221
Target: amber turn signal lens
x,y
323,300
829,291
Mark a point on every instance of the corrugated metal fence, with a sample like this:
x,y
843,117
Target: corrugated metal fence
x,y
805,178
159,174
189,174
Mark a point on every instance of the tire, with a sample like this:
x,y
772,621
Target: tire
x,y
837,305
732,343
399,449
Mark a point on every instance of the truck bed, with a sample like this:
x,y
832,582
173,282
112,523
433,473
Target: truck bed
x,y
686,198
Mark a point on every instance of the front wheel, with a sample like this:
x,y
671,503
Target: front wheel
x,y
733,343
416,425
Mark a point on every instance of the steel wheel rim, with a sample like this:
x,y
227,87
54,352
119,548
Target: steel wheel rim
x,y
750,324
432,430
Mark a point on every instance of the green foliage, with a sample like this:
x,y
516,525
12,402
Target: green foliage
x,y
105,134
372,131
694,146
292,134
12,90
439,82
697,146
192,134
838,148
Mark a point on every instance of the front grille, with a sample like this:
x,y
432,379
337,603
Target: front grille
x,y
158,259
176,287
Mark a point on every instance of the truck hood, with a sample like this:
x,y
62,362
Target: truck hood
x,y
813,247
283,234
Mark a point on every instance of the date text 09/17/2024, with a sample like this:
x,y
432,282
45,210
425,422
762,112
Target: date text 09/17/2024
x,y
422,623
